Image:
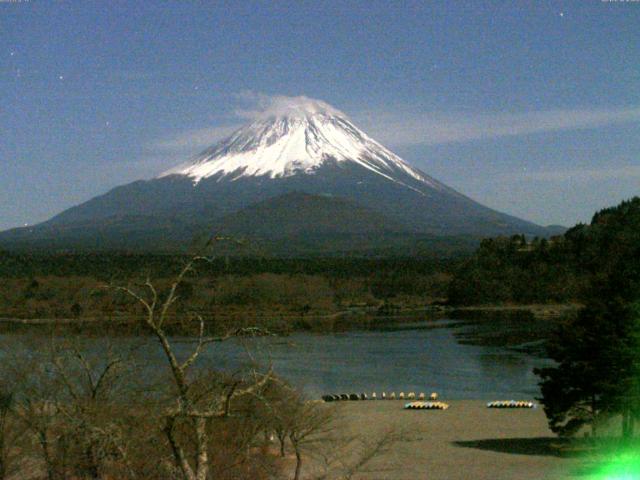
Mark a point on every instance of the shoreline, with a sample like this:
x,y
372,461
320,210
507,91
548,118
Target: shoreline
x,y
465,441
538,310
542,310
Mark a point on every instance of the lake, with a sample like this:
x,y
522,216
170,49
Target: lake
x,y
477,357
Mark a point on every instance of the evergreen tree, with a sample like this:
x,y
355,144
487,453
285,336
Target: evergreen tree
x,y
598,352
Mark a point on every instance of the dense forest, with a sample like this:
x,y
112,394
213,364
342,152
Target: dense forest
x,y
502,271
293,293
516,270
596,374
109,265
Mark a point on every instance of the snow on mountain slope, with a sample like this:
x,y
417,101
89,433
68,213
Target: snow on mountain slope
x,y
302,177
297,135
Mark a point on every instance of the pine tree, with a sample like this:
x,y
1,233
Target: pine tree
x,y
598,352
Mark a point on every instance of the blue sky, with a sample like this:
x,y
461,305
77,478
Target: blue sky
x,y
532,108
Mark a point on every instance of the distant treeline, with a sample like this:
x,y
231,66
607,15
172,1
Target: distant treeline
x,y
231,289
506,270
515,270
109,265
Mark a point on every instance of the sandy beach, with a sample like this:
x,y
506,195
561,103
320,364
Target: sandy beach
x,y
467,441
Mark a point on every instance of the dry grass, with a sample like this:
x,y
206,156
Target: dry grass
x,y
467,441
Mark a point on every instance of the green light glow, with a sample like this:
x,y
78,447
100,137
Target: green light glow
x,y
623,466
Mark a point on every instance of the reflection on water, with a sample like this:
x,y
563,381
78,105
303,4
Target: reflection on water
x,y
452,357
447,356
519,331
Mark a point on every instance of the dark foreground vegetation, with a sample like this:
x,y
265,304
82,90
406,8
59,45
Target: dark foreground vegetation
x,y
503,271
70,412
596,378
309,292
279,293
67,411
561,269
597,351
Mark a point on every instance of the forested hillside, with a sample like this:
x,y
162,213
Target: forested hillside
x,y
503,270
514,270
74,286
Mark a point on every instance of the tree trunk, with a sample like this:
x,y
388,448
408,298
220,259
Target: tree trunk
x,y
298,465
227,403
42,437
92,460
594,418
3,453
202,461
282,438
178,454
627,423
3,446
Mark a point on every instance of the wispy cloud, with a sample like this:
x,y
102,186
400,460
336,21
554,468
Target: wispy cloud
x,y
263,106
401,129
192,140
254,105
129,75
251,104
397,129
580,175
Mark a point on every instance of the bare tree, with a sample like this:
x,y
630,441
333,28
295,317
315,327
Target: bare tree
x,y
95,405
309,422
343,457
315,433
33,389
6,403
194,405
77,405
93,414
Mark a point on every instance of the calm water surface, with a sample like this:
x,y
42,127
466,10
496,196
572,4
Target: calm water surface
x,y
470,359
475,358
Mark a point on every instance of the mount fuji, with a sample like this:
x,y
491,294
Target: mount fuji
x,y
300,178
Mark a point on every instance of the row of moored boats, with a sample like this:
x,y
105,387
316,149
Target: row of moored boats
x,y
420,400
511,404
374,396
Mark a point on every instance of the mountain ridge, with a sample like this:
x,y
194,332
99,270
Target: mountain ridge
x,y
300,141
298,145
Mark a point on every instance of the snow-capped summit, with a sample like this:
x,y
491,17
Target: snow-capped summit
x,y
300,178
296,135
292,107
